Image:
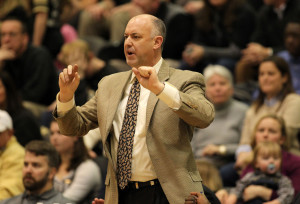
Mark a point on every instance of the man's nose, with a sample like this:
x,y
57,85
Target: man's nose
x,y
128,41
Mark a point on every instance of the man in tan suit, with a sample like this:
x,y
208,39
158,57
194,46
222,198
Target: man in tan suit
x,y
171,103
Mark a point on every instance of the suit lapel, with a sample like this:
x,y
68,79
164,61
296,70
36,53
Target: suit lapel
x,y
163,75
118,87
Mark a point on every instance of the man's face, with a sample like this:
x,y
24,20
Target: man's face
x,y
36,172
139,42
292,38
12,37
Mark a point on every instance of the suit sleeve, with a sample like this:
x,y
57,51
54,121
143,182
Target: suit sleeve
x,y
196,110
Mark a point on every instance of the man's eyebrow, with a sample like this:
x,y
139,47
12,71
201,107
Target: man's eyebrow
x,y
130,34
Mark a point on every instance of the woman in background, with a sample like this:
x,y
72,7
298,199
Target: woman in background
x,y
26,126
78,177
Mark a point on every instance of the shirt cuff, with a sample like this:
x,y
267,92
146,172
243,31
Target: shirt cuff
x,y
170,96
63,108
243,148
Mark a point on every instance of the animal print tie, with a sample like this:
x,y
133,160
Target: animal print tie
x,y
124,154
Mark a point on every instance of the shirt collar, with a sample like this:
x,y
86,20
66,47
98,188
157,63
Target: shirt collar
x,y
156,67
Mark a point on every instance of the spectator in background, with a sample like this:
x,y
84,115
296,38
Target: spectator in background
x,y
268,36
77,177
44,25
40,165
222,29
276,95
11,159
30,67
267,161
270,128
210,143
292,53
7,7
26,126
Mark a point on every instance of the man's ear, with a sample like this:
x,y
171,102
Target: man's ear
x,y
158,40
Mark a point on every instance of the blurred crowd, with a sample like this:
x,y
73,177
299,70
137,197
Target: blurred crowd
x,y
247,50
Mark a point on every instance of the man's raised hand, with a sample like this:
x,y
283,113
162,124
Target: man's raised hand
x,y
68,82
148,79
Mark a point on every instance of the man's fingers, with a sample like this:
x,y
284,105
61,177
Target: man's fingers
x,y
65,75
61,77
75,68
70,69
145,71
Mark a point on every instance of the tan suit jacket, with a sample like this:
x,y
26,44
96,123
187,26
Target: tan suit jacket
x,y
169,132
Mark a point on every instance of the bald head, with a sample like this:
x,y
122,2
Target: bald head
x,y
158,27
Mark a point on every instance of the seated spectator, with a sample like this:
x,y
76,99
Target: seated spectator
x,y
222,29
292,53
78,177
26,126
44,25
30,67
210,143
276,95
267,161
40,165
11,159
13,7
267,38
269,128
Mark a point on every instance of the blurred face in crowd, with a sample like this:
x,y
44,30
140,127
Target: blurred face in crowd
x,y
218,3
270,79
63,144
5,137
37,175
140,43
269,129
2,93
292,38
218,89
12,37
264,161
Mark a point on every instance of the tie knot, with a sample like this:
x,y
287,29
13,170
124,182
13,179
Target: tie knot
x,y
135,82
